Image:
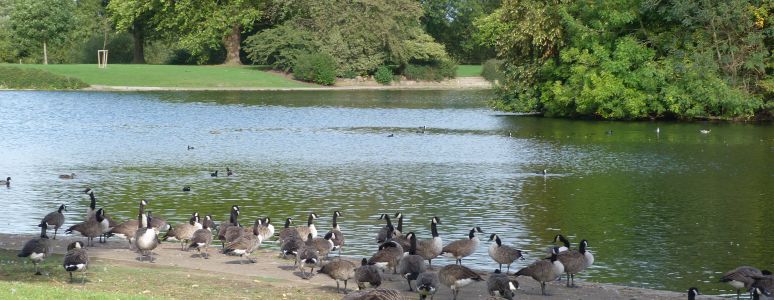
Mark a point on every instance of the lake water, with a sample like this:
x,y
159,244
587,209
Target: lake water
x,y
666,211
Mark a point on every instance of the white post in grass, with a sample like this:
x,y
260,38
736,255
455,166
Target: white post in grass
x,y
102,58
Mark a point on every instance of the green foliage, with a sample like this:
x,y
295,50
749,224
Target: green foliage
x,y
451,23
319,68
18,78
631,60
280,46
435,71
383,75
492,70
35,23
119,48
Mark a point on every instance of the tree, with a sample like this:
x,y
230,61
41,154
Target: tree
x,y
202,24
43,22
451,23
138,17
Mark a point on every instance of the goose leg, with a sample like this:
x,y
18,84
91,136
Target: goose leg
x,y
573,280
71,277
543,288
345,286
338,288
83,277
568,279
37,270
55,230
409,284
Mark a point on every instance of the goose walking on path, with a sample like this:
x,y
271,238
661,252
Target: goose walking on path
x,y
338,240
367,274
411,265
456,277
90,228
184,232
433,247
55,219
202,238
500,283
460,249
503,254
388,256
575,261
37,249
146,238
339,270
386,231
427,285
305,231
543,271
375,294
76,260
128,229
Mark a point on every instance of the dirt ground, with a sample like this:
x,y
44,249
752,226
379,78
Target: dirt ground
x,y
279,272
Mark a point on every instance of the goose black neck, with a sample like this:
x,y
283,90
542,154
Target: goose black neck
x,y
287,223
434,229
61,208
565,241
93,203
335,217
472,234
498,241
400,223
387,218
553,257
310,220
148,225
233,218
413,245
43,227
582,248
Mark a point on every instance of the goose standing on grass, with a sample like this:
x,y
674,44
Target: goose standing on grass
x,y
411,265
375,294
559,249
339,270
146,239
264,229
126,230
500,283
575,261
6,182
288,232
543,271
37,249
184,232
76,260
304,231
388,256
367,274
338,240
460,249
232,221
90,228
386,231
67,176
741,278
55,219
503,254
433,247
456,277
202,238
427,285
692,293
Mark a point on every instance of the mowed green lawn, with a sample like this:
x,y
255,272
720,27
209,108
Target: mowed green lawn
x,y
173,76
469,70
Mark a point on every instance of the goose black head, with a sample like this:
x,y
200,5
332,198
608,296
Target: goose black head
x,y
87,191
398,215
765,272
337,213
497,271
692,293
492,237
309,237
267,220
43,226
62,208
388,244
143,202
583,245
186,188
8,179
313,215
75,245
330,236
478,229
436,220
364,261
100,215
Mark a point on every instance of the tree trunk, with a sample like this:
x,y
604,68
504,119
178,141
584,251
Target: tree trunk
x,y
139,44
232,42
45,54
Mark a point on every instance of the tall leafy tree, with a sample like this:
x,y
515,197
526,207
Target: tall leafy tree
x,y
451,23
138,17
206,24
41,22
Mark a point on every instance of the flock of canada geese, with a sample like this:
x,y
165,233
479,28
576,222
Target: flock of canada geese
x,y
400,253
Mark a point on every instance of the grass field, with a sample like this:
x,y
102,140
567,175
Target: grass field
x,y
469,70
106,279
172,76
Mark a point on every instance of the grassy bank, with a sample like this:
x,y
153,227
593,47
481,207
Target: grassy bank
x,y
171,76
108,279
12,77
469,70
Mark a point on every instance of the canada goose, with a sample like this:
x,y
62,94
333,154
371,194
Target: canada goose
x,y
456,277
210,223
433,247
128,229
288,232
307,257
106,223
503,254
411,265
741,278
763,285
757,292
388,256
500,283
184,232
384,233
264,228
202,238
559,249
427,285
7,182
397,233
692,293
186,188
391,135
291,246
324,245
340,269
228,172
214,174
67,176
92,205
244,245
367,273
76,260
232,221
463,248
37,249
543,270
338,240
146,239
55,219
375,294
575,261
304,231
90,228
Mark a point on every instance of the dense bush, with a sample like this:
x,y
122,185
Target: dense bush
x,y
435,71
31,78
319,68
383,75
492,71
208,57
